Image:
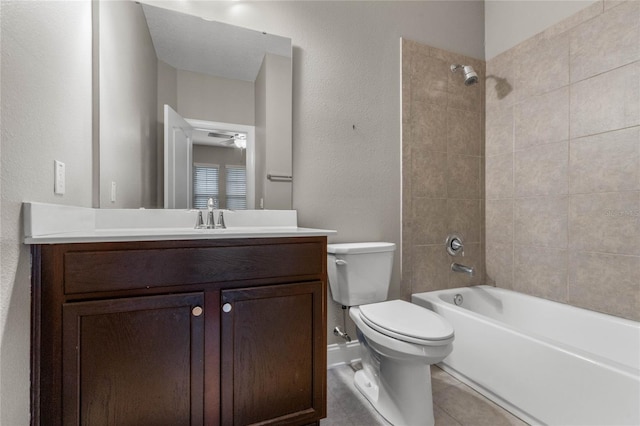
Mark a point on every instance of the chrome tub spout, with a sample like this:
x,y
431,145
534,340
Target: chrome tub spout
x,y
470,270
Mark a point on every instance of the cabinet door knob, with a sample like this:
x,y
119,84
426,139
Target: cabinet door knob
x,y
197,311
226,307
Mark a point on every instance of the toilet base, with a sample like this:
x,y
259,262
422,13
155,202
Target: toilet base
x,y
411,405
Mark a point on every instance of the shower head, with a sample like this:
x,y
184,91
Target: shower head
x,y
470,76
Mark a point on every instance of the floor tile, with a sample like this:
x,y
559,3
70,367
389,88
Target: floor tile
x,y
455,404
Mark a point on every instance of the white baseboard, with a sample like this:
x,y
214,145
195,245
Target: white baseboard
x,y
343,353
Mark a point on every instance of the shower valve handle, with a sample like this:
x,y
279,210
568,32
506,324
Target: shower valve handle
x,y
454,245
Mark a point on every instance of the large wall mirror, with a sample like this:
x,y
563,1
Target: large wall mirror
x,y
231,86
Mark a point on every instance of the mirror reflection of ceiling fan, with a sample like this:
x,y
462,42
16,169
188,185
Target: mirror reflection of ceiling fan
x,y
219,138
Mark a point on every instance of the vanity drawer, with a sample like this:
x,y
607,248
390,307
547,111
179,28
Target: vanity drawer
x,y
109,270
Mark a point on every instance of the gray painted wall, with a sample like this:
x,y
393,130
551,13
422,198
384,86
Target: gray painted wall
x,y
128,98
46,116
278,108
206,97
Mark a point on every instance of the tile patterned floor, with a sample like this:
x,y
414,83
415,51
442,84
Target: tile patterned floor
x,y
454,403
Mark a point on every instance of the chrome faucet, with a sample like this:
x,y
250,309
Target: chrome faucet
x,y
470,270
210,206
211,223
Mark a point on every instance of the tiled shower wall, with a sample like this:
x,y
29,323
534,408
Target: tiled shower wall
x,y
563,162
442,168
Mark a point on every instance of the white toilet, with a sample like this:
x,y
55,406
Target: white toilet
x,y
399,340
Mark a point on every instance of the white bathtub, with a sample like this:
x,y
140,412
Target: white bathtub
x,y
546,362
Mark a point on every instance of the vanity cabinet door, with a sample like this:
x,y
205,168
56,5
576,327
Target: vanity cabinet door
x,y
134,361
273,351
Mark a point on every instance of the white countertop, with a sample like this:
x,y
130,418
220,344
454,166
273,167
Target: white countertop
x,y
56,224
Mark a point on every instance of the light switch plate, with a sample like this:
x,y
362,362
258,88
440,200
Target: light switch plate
x,y
113,192
59,178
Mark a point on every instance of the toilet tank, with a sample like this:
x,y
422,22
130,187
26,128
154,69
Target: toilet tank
x,y
359,273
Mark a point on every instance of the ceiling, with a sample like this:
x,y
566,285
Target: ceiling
x,y
192,43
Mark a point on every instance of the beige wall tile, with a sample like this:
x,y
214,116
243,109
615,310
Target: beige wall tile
x,y
429,126
430,268
606,102
406,277
499,176
606,42
499,261
406,81
410,47
473,257
610,4
606,283
443,191
464,132
607,222
573,21
470,98
429,221
552,138
464,217
542,119
483,168
499,221
407,227
483,227
429,79
406,124
406,168
456,58
499,124
500,90
463,176
605,162
429,174
541,221
541,170
541,272
542,65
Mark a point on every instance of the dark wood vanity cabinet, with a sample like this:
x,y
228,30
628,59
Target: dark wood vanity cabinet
x,y
270,342
204,332
136,360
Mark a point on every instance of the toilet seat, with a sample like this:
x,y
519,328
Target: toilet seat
x,y
407,322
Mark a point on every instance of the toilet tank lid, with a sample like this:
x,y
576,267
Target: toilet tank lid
x,y
357,248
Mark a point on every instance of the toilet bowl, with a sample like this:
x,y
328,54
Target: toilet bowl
x,y
399,340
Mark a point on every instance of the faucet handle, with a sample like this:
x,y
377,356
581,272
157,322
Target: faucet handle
x,y
199,221
454,245
220,223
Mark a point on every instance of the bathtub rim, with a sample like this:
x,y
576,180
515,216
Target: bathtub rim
x,y
610,364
